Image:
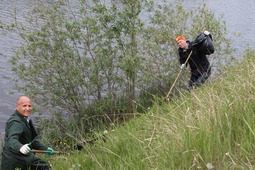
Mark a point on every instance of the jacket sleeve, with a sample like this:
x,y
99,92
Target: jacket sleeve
x,y
14,131
182,57
36,144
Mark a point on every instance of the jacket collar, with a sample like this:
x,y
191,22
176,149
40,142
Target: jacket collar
x,y
22,118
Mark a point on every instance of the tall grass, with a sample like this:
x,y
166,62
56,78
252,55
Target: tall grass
x,y
213,127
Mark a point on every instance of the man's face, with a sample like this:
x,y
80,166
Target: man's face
x,y
182,44
24,106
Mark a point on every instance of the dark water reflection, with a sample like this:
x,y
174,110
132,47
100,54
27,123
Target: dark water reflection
x,y
239,17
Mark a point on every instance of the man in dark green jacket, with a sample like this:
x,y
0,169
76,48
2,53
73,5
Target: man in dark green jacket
x,y
20,138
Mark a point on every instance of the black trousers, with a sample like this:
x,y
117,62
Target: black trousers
x,y
40,165
198,77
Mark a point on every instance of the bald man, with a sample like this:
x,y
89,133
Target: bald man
x,y
20,138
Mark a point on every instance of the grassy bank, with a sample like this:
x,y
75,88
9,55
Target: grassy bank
x,y
212,127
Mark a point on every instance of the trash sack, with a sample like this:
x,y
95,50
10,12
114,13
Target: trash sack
x,y
204,43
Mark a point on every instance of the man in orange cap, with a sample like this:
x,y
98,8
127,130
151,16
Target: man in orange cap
x,y
181,41
198,62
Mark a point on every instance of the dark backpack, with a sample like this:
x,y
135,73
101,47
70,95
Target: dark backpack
x,y
204,43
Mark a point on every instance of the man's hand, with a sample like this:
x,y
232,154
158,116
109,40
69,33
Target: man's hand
x,y
183,66
51,151
25,149
206,32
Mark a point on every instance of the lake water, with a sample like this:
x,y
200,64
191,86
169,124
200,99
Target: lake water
x,y
239,17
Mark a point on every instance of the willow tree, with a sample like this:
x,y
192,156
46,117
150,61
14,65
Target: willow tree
x,y
94,59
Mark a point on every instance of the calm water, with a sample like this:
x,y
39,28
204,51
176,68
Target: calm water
x,y
239,17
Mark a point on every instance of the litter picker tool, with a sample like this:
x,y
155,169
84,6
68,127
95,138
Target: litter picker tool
x,y
168,94
45,151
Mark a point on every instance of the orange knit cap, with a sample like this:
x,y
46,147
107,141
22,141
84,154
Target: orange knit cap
x,y
180,38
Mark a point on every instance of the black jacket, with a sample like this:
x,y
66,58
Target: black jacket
x,y
198,60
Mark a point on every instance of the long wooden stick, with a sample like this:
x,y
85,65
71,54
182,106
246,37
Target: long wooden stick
x,y
45,151
168,94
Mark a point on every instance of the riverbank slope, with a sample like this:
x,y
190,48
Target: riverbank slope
x,y
212,127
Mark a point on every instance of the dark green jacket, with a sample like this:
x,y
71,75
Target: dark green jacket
x,y
17,133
